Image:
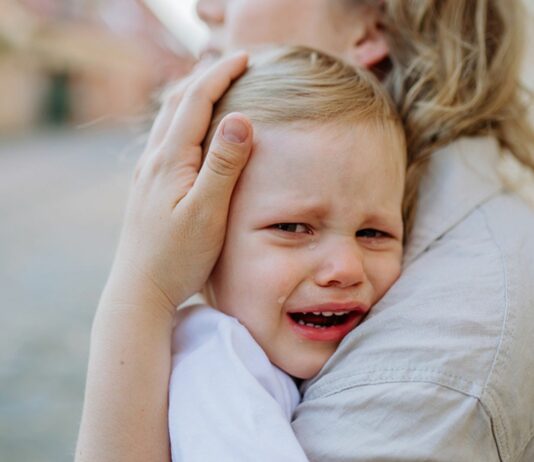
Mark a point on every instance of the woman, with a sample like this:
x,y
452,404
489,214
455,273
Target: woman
x,y
442,369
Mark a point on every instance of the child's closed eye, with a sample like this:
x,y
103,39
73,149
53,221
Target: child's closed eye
x,y
298,228
371,233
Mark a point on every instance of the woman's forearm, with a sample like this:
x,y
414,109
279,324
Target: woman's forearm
x,y
125,410
172,235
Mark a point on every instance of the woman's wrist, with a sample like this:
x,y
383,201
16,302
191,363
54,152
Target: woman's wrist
x,y
130,291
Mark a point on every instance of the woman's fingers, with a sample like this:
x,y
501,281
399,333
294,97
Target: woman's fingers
x,y
171,136
227,156
170,100
192,118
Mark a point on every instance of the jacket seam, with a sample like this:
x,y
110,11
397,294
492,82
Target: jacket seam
x,y
371,383
437,384
528,441
500,435
370,372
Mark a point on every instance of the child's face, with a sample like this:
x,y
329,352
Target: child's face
x,y
314,227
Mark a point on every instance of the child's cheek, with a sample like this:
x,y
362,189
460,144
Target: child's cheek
x,y
383,271
279,271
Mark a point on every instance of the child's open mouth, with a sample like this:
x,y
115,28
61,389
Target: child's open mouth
x,y
321,320
326,326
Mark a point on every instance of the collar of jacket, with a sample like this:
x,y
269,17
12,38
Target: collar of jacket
x,y
460,177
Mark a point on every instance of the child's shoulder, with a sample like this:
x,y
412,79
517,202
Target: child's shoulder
x,y
198,324
202,317
208,343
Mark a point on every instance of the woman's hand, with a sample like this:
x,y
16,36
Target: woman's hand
x,y
172,235
176,215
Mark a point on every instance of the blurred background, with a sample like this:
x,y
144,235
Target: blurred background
x,y
78,80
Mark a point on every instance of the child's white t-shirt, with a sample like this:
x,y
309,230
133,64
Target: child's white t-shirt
x,y
227,402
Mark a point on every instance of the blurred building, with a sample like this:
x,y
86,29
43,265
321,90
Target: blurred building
x,y
80,61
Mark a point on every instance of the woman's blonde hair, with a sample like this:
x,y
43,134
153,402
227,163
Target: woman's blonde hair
x,y
456,72
297,84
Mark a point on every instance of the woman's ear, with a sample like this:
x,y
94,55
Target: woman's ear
x,y
370,51
369,45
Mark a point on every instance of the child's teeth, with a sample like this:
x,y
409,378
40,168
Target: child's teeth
x,y
316,313
309,324
301,322
327,313
341,313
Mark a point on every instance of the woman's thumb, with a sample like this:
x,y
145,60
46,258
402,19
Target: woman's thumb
x,y
227,156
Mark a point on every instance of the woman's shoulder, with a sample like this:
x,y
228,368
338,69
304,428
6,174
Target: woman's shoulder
x,y
461,178
510,219
460,304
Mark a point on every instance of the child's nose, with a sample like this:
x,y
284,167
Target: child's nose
x,y
341,265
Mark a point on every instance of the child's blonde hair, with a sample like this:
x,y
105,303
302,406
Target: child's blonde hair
x,y
298,84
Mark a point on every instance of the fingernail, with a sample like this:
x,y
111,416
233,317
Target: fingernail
x,y
239,53
234,131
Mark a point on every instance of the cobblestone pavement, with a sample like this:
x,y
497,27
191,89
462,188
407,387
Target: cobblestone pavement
x,y
61,199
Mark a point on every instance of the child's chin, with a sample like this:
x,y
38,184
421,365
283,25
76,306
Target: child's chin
x,y
305,376
304,370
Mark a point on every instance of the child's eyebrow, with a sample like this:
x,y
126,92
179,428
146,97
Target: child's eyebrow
x,y
292,207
